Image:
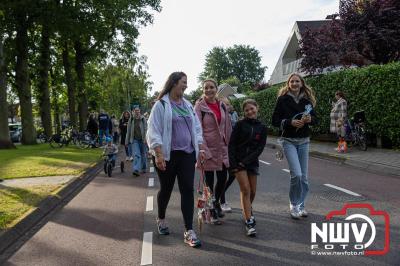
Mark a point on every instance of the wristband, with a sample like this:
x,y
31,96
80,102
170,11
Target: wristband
x,y
202,151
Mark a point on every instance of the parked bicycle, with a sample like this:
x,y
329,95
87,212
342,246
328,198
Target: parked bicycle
x,y
67,136
42,137
356,131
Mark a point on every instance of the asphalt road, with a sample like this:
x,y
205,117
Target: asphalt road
x,y
106,222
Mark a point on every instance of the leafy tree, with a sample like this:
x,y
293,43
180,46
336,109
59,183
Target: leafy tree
x,y
240,61
367,32
245,63
373,27
217,65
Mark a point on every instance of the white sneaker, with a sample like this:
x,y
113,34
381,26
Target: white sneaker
x,y
131,159
303,213
294,212
225,207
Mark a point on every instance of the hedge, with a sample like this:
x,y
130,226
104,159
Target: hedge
x,y
374,89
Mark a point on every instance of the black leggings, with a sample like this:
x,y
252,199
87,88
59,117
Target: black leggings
x,y
221,180
227,185
181,165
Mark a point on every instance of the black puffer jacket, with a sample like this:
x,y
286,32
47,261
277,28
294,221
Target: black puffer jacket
x,y
286,108
247,142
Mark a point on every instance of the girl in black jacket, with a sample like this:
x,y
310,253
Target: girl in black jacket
x,y
294,112
246,144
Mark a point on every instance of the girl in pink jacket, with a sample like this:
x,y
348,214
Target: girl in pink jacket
x,y
216,123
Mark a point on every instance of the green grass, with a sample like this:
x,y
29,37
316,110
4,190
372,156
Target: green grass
x,y
15,202
43,160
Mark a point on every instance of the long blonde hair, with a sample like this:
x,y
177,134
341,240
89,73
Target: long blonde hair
x,y
309,93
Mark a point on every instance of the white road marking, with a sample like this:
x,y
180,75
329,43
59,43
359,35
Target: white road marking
x,y
343,190
149,204
151,182
286,170
151,169
147,249
264,162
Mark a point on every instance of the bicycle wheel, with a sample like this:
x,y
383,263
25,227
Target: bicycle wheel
x,y
84,140
56,141
122,165
109,169
362,139
105,167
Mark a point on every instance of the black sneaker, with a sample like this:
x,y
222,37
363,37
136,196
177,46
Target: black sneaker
x,y
219,210
252,216
162,227
214,218
136,173
250,228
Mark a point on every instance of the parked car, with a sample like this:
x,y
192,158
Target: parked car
x,y
15,132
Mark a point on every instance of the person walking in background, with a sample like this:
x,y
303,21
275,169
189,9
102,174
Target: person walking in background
x,y
136,136
114,124
216,124
293,114
338,117
104,126
123,126
92,128
175,140
247,142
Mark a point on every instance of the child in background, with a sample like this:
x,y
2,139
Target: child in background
x,y
111,150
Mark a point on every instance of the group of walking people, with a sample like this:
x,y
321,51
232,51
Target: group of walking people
x,y
130,131
182,138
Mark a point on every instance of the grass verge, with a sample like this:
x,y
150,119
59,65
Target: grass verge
x,y
16,202
43,160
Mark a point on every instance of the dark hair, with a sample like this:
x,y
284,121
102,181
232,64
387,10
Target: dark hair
x,y
172,80
249,101
340,94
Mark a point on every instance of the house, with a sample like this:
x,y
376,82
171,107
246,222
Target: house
x,y
288,62
227,91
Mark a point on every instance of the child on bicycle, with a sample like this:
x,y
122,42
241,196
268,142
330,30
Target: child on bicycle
x,y
110,150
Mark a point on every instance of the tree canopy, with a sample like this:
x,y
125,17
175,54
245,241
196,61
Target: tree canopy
x,y
240,61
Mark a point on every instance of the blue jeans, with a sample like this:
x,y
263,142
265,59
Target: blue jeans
x,y
139,153
297,157
101,133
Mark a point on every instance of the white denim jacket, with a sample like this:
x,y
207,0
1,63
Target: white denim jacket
x,y
159,127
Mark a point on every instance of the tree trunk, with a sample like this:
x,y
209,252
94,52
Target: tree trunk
x,y
44,92
56,107
22,81
5,141
69,80
80,72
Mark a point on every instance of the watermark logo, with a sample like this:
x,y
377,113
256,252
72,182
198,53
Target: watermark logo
x,y
352,236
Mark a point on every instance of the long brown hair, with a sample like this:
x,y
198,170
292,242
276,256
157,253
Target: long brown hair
x,y
172,80
304,88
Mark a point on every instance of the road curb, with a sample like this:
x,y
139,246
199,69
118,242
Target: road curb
x,y
9,237
363,165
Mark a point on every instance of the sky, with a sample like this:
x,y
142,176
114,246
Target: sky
x,y
186,30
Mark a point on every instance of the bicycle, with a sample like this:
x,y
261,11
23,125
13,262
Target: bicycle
x,y
42,137
109,164
357,134
64,138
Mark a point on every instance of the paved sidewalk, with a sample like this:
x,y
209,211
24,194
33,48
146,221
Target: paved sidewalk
x,y
34,181
382,161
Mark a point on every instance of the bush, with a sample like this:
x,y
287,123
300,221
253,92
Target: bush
x,y
374,89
